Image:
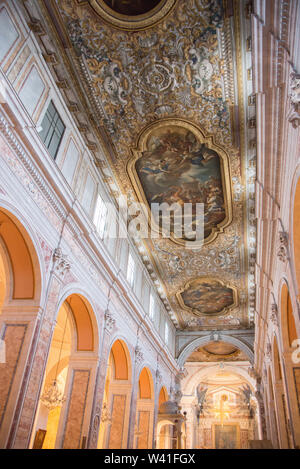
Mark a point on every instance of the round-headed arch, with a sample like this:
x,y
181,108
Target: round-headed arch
x,y
288,326
295,227
146,385
80,314
19,259
121,360
276,360
208,371
163,396
201,341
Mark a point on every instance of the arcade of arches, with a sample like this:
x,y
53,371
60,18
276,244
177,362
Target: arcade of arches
x,y
115,341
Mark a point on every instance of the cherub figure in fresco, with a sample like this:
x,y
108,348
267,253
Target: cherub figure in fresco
x,y
176,168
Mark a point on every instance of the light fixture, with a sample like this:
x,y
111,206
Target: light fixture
x,y
53,397
105,414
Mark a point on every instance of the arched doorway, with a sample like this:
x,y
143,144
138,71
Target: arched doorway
x,y
166,435
288,326
280,398
62,415
163,396
116,401
273,425
296,232
162,430
20,291
145,411
292,371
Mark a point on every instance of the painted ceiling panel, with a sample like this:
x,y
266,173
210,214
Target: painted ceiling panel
x,y
173,100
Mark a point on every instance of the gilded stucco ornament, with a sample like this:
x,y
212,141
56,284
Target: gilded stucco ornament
x,y
294,95
180,67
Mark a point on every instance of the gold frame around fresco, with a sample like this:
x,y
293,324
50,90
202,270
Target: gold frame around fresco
x,y
208,140
132,23
194,311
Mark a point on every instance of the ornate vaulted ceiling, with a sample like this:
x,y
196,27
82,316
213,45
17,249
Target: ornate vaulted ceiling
x,y
169,86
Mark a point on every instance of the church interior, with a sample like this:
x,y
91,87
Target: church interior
x,y
112,335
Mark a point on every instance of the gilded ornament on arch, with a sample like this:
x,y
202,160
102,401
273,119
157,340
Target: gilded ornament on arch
x,y
174,162
207,296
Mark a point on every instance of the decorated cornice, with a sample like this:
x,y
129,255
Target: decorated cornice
x,y
27,162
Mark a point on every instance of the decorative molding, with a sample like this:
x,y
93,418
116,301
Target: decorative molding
x,y
215,336
139,356
182,373
298,303
109,322
29,166
61,263
178,396
274,314
294,96
201,341
282,252
158,376
95,427
36,27
51,58
254,374
268,352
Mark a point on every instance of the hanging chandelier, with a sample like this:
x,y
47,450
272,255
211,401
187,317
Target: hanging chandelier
x,y
105,414
53,397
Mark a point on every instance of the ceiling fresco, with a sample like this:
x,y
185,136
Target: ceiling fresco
x,y
207,296
174,165
169,103
132,7
131,15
